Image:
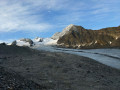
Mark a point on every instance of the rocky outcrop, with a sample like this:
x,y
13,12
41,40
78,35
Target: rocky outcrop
x,y
27,40
14,43
79,37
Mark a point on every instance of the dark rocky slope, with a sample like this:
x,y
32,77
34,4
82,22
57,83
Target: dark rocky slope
x,y
79,37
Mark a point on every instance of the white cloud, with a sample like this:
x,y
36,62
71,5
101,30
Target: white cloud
x,y
16,16
28,15
105,6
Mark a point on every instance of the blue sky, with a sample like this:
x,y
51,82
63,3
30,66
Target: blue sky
x,y
42,18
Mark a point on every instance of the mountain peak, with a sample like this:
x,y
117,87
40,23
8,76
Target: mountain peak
x,y
66,30
73,28
71,25
69,28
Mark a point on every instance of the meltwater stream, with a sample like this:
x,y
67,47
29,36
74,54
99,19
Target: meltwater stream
x,y
110,57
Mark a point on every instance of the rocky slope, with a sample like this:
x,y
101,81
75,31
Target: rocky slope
x,y
78,37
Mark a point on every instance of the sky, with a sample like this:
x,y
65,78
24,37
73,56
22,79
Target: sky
x,y
43,18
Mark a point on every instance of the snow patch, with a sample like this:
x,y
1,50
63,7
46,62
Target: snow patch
x,y
110,42
22,43
96,42
116,38
49,41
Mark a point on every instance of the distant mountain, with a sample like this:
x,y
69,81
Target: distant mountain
x,y
23,42
78,37
74,36
33,42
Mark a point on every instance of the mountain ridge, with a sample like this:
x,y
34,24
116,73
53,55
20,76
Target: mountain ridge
x,y
87,38
74,36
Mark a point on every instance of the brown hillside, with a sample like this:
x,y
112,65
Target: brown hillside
x,y
85,38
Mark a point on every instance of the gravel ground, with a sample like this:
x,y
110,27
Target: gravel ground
x,y
54,71
10,80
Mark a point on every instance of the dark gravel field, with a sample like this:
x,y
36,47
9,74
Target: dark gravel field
x,y
22,68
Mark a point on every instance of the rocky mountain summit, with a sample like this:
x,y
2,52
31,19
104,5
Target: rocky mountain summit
x,y
65,31
78,37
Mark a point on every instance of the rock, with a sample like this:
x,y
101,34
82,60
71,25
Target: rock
x,y
3,43
14,43
38,39
88,72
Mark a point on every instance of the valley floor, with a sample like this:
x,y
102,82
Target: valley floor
x,y
53,71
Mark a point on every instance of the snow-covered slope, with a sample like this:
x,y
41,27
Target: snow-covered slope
x,y
65,31
38,39
46,41
22,43
49,41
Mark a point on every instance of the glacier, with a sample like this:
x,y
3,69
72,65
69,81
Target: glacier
x,y
109,57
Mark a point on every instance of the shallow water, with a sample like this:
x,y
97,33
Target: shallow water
x,y
110,57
